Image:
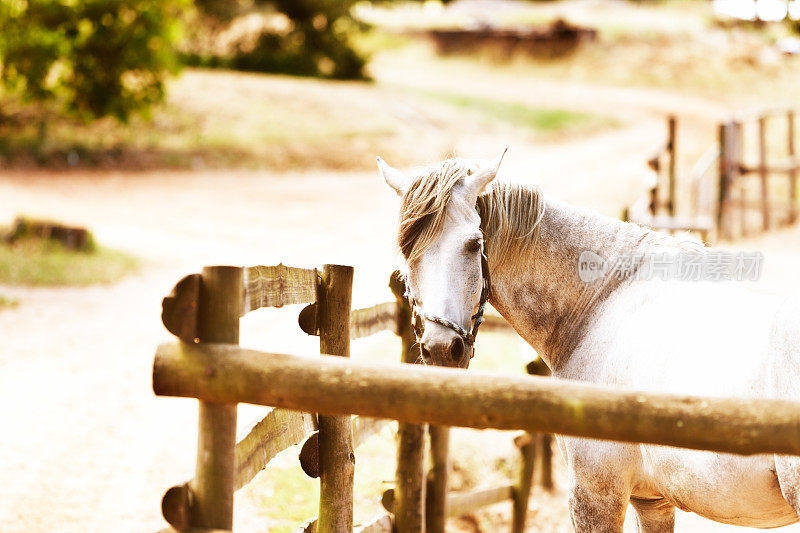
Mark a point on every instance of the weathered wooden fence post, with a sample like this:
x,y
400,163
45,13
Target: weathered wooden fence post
x,y
522,489
762,170
793,162
672,169
652,205
735,166
220,306
724,189
544,463
409,493
436,498
542,441
336,457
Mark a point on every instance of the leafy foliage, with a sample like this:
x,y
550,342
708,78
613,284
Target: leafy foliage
x,y
94,57
315,42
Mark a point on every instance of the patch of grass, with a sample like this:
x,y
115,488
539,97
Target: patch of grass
x,y
286,497
214,119
42,262
8,303
540,120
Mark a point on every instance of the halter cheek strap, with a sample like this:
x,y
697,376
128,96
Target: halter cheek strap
x,y
477,319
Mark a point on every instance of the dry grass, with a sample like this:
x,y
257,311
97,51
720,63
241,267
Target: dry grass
x,y
219,119
41,262
8,303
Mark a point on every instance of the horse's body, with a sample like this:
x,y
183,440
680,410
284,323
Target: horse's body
x,y
710,338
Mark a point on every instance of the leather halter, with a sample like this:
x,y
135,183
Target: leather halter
x,y
477,319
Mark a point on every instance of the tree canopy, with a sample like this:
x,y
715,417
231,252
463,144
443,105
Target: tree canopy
x,y
92,57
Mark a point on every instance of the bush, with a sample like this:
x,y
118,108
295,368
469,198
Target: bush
x,y
315,41
92,57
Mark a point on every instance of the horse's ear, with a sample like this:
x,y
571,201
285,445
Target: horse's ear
x,y
478,182
394,178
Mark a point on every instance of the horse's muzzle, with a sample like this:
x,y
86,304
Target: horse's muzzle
x,y
452,352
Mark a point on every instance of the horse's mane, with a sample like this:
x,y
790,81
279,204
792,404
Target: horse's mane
x,y
510,215
509,212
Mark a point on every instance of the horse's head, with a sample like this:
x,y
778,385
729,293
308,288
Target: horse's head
x,y
441,240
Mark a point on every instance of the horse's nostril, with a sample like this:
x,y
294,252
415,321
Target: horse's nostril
x,y
457,349
426,353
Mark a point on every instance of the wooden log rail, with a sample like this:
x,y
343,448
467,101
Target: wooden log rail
x,y
441,505
261,286
276,286
461,503
185,314
230,374
785,166
366,322
276,432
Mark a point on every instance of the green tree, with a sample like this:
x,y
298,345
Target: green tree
x,y
316,42
93,58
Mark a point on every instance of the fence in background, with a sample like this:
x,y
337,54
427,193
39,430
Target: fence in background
x,y
761,194
754,189
206,308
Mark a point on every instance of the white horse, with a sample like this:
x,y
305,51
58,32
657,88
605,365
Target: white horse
x,y
613,326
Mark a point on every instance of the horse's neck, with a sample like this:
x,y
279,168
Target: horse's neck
x,y
541,294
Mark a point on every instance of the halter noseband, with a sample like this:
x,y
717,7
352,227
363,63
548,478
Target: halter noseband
x,y
477,318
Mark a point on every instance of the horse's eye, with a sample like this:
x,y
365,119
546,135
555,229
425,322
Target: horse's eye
x,y
473,246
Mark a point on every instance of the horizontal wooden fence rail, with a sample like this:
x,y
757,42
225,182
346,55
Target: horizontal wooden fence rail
x,y
276,432
185,314
276,286
382,317
369,321
779,166
462,503
262,286
449,397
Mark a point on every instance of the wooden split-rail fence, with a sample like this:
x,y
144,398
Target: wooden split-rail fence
x,y
208,364
205,308
754,188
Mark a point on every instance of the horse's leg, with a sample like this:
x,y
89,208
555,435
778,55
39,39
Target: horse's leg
x,y
599,485
788,470
654,516
594,510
